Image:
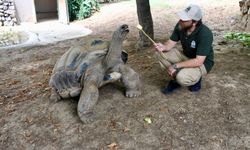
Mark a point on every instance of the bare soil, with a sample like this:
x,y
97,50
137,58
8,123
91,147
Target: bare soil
x,y
215,118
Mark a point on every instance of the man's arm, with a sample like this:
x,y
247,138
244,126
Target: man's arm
x,y
166,46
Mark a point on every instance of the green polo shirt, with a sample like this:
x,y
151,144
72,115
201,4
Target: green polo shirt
x,y
199,42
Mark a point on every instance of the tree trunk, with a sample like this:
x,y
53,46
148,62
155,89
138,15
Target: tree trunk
x,y
145,20
245,14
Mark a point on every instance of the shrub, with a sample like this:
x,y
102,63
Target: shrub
x,y
243,38
80,9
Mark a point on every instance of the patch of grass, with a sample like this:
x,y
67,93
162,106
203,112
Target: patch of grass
x,y
9,37
243,38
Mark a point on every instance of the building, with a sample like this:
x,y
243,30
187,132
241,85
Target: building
x,y
39,10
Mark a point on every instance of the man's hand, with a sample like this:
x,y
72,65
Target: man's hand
x,y
171,71
160,47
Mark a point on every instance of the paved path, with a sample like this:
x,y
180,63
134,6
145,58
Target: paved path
x,y
48,32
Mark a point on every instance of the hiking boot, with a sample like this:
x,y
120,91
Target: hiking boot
x,y
172,85
196,87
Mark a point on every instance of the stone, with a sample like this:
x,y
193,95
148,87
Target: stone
x,y
11,23
6,23
11,12
14,19
6,4
11,8
5,8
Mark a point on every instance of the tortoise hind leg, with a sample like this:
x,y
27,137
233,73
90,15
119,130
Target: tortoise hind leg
x,y
131,81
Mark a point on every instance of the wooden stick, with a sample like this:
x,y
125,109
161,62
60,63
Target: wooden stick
x,y
140,28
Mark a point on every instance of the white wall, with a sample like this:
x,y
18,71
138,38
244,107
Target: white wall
x,y
25,10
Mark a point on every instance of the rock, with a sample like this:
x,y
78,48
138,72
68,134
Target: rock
x,y
11,8
14,19
6,23
5,7
8,18
6,4
7,13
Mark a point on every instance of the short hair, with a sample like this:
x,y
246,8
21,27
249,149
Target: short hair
x,y
198,22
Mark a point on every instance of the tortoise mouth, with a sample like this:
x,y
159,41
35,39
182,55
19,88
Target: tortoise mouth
x,y
125,28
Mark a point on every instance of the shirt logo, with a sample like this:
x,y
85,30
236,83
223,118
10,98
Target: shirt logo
x,y
187,9
193,44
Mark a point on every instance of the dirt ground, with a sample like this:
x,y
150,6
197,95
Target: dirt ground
x,y
216,118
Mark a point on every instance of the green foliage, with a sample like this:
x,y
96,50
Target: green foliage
x,y
80,9
243,38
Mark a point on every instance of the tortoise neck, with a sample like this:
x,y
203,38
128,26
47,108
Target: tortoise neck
x,y
114,53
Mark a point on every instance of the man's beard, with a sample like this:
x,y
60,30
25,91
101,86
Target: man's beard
x,y
185,29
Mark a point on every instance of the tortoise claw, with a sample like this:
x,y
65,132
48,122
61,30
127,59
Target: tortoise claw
x,y
86,118
132,94
55,96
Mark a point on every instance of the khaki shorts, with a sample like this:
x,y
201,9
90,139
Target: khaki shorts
x,y
186,76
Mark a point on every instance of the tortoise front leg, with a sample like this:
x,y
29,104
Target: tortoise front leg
x,y
131,81
89,95
110,78
87,101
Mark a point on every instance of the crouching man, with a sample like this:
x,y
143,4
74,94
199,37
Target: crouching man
x,y
187,66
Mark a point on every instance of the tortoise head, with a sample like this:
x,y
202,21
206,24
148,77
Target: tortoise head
x,y
121,32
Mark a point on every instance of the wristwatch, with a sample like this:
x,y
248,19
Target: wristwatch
x,y
175,67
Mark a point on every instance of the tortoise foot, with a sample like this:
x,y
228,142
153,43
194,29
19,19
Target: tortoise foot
x,y
133,93
86,118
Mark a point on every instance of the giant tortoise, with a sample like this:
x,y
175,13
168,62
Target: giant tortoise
x,y
83,69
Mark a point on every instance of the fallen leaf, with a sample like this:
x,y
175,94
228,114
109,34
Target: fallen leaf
x,y
112,145
126,129
148,120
